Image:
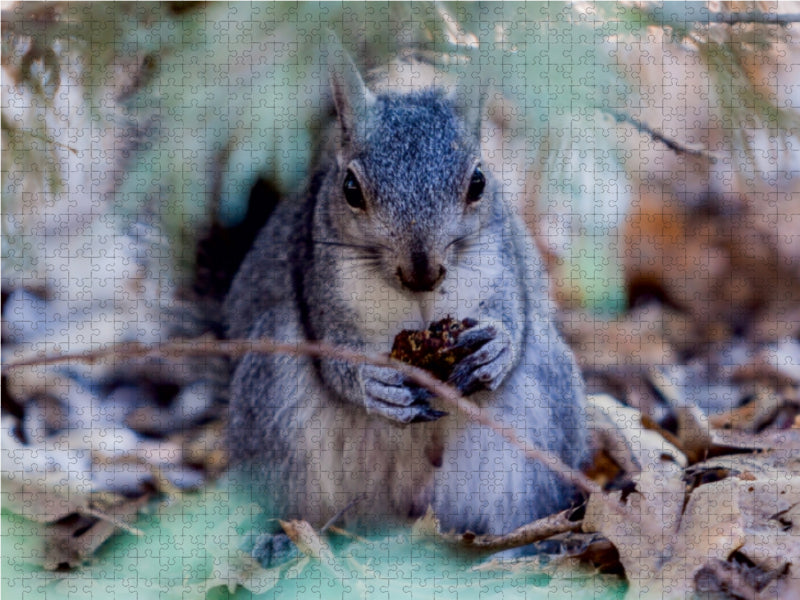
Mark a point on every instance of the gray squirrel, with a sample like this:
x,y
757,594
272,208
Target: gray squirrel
x,y
400,226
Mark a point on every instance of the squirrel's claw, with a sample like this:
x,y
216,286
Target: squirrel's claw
x,y
387,393
488,365
477,337
390,386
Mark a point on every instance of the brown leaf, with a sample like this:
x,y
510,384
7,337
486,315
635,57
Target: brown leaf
x,y
315,547
756,414
694,433
206,446
658,499
783,439
43,485
624,436
241,569
426,527
72,540
712,526
738,580
307,540
735,516
603,469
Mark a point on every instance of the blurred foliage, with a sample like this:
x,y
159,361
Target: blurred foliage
x,y
743,99
187,542
198,103
148,120
170,112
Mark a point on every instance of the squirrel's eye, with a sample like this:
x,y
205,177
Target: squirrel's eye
x,y
352,192
476,185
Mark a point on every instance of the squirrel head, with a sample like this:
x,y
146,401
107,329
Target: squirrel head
x,y
407,188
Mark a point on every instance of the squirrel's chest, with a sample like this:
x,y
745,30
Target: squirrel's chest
x,y
381,309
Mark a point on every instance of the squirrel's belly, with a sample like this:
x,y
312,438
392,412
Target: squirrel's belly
x,y
390,467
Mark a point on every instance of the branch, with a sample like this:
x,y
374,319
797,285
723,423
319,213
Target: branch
x,y
753,17
697,12
522,536
238,348
676,147
447,394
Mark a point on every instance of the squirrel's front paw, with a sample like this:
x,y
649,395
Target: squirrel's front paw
x,y
489,364
389,394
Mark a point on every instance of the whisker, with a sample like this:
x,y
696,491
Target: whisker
x,y
368,257
364,258
343,245
458,240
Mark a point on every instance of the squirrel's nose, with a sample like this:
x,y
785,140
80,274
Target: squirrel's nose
x,y
422,275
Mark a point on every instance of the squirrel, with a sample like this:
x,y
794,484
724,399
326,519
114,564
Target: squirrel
x,y
400,225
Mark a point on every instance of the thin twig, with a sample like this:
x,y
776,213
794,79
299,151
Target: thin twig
x,y
119,523
660,137
697,12
522,536
332,521
753,17
238,348
446,393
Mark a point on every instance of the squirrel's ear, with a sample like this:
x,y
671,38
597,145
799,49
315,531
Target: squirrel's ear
x,y
468,104
351,97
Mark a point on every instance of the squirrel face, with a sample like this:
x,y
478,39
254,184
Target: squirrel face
x,y
408,190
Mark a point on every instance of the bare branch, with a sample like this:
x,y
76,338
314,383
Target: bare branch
x,y
522,536
660,137
238,348
450,396
335,518
697,12
446,393
753,17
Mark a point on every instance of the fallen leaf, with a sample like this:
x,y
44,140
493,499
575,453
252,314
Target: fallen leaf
x,y
426,527
658,499
694,433
307,539
241,569
757,414
43,483
630,443
72,540
315,547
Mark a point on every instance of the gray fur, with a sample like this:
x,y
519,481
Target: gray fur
x,y
313,435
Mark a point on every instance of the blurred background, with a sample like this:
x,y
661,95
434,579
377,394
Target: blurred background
x,y
654,150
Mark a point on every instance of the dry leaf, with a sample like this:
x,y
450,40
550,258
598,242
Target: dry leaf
x,y
658,499
751,512
315,547
241,569
307,539
630,443
693,434
71,541
426,527
756,414
42,483
206,446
